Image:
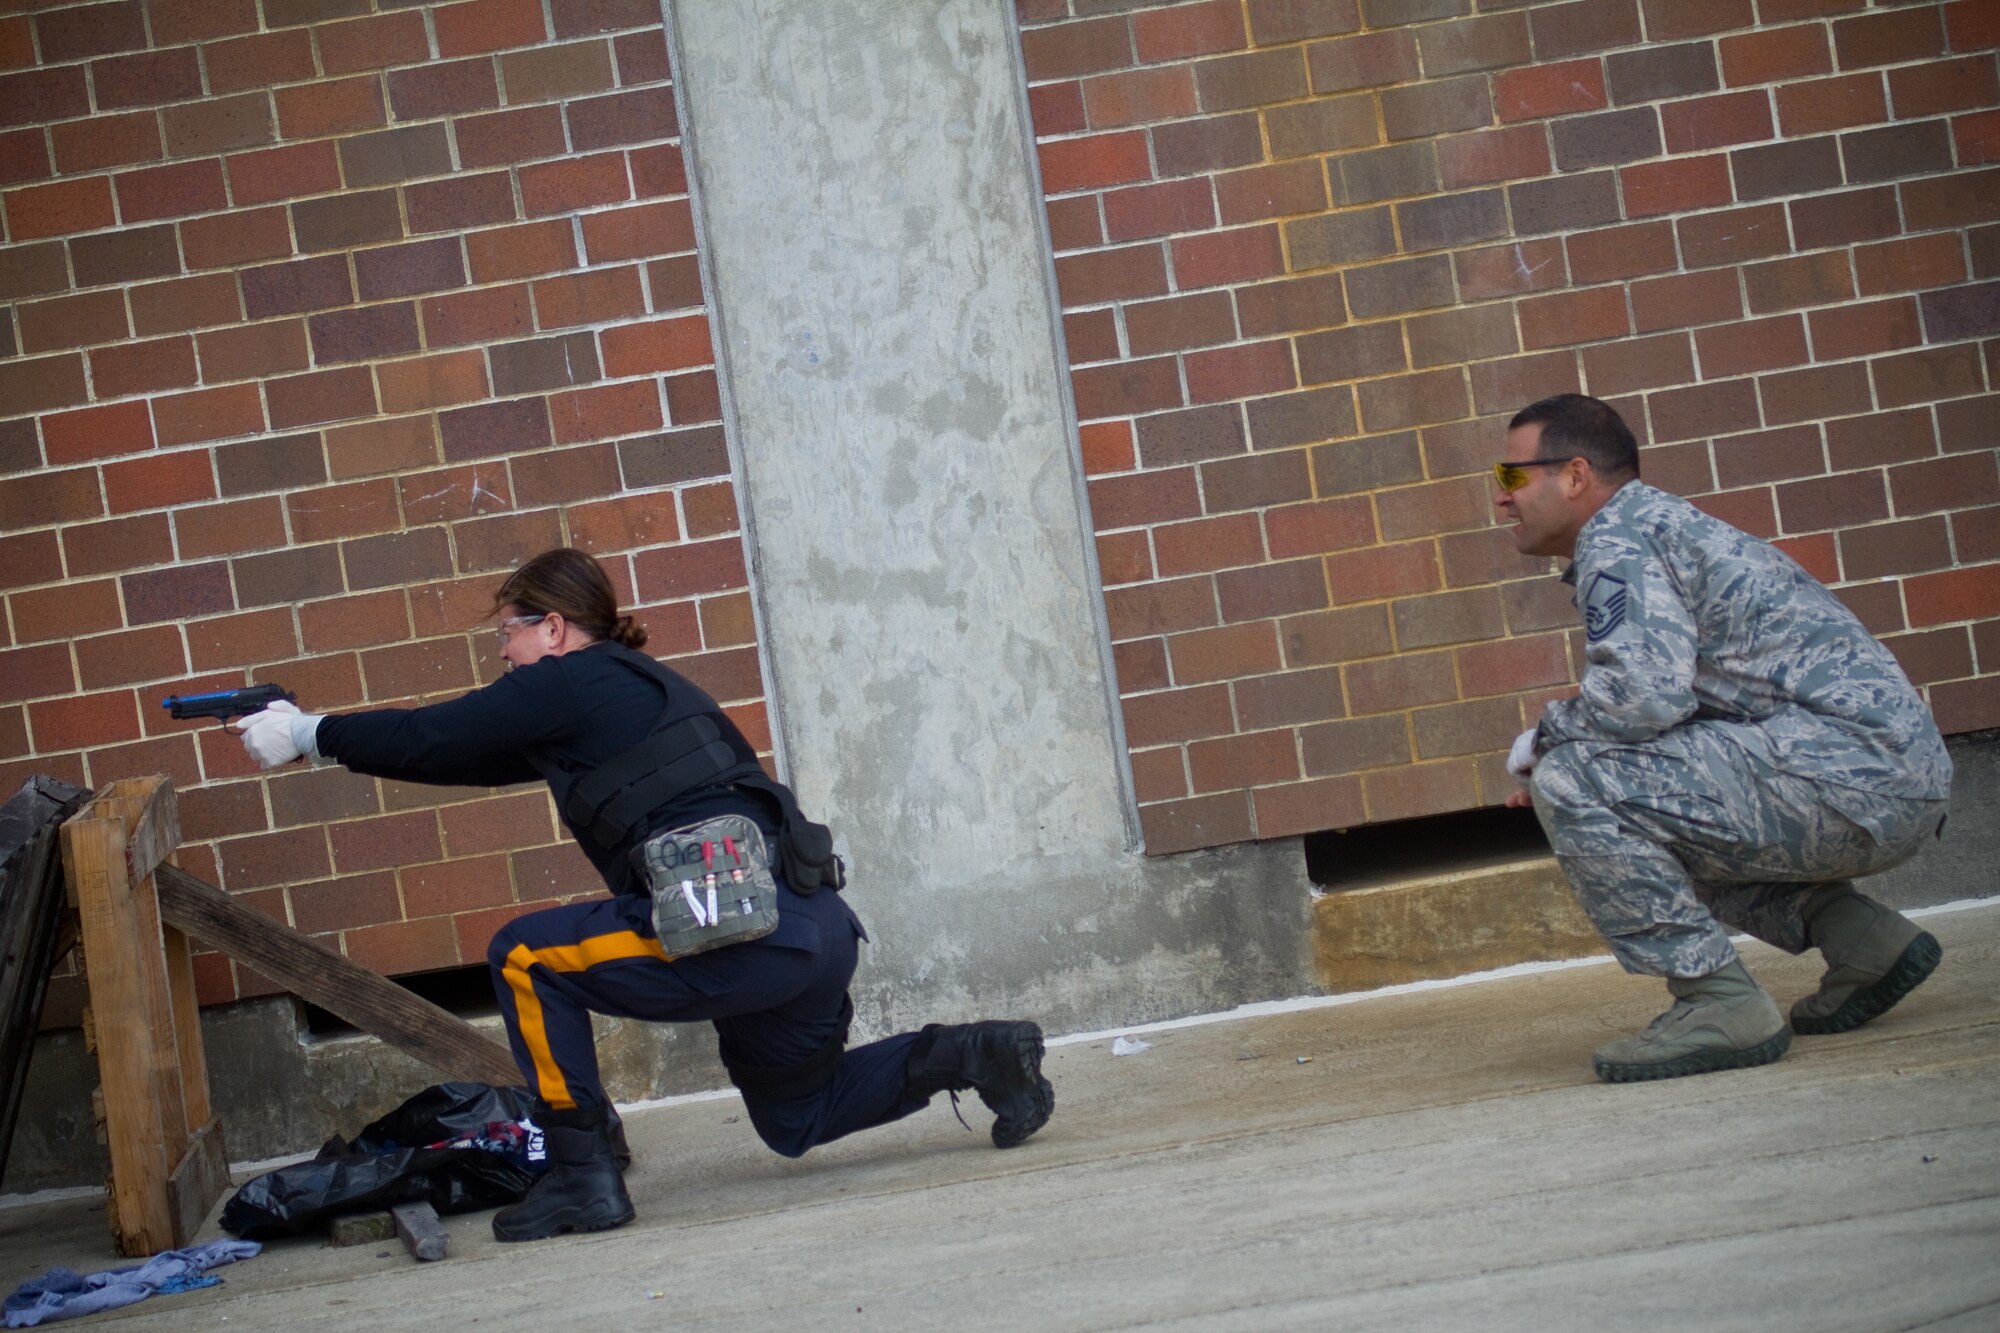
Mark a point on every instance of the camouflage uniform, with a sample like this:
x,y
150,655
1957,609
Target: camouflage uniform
x,y
1738,739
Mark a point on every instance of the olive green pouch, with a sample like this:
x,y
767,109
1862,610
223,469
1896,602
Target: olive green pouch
x,y
711,884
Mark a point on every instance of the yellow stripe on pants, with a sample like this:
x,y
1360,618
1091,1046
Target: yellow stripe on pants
x,y
579,957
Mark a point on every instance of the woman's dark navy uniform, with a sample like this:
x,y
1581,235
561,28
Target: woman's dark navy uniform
x,y
575,698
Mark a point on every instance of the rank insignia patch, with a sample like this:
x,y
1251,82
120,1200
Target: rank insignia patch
x,y
1603,607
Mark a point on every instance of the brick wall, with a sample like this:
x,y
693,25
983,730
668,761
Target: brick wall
x,y
1313,253
319,316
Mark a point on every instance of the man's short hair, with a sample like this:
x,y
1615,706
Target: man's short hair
x,y
1577,424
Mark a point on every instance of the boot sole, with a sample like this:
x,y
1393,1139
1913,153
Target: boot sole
x,y
1695,1062
605,1220
1871,1002
1028,1050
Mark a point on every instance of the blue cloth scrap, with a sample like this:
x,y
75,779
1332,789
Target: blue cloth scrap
x,y
63,1294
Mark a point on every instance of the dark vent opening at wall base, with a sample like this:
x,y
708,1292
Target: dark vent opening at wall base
x,y
464,991
1376,854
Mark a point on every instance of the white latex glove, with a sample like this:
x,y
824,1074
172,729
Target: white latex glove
x,y
1521,759
280,734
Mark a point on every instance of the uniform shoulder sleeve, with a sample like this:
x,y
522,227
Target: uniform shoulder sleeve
x,y
1639,643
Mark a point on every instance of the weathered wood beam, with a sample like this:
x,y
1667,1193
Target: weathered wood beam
x,y
309,969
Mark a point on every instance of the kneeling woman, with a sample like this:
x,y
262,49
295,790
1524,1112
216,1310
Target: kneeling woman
x,y
667,800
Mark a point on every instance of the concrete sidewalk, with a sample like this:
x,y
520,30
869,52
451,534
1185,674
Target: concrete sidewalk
x,y
1439,1160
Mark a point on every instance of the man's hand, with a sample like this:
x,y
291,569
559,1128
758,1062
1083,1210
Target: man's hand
x,y
280,734
1521,762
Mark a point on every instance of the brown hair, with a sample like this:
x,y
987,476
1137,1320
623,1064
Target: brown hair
x,y
573,585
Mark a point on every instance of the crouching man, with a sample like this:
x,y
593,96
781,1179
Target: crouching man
x,y
1740,749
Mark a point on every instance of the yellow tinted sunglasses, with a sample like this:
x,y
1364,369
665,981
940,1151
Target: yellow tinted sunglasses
x,y
1513,476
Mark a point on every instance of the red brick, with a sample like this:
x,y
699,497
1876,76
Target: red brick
x,y
328,107
1958,481
529,250
1108,275
1951,201
1775,54
319,397
1638,363
1227,257
1686,299
506,137
64,612
1677,186
1189,30
638,233
1819,391
1915,377
404,946
1838,103
1751,346
1208,544
1094,162
1976,138
1143,498
84,720
483,26
1153,210
1364,61
1549,90
146,79
658,171
1952,595
574,183
143,367
100,142
657,346
1491,156
73,321
1205,821
260,61
1056,108
1864,329
1567,318
235,238
485,315
92,30
96,432
444,88
35,672
1238,372
1127,388
59,208
284,173
606,412
125,543
1914,33
1134,97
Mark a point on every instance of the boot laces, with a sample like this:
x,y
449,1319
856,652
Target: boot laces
x,y
955,1111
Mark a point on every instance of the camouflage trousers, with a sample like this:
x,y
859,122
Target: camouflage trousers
x,y
1668,841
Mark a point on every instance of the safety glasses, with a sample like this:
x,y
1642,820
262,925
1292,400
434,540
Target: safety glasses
x,y
505,629
1513,476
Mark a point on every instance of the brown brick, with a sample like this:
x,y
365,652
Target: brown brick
x,y
1772,455
1902,265
1350,353
1916,377
1621,252
1963,312
1127,388
1822,503
1797,167
1399,287
1452,220
574,183
1567,318
1366,464
507,137
1271,590
1468,728
1376,174
1864,329
1880,437
1734,236
1913,33
1775,54
143,367
230,528
1959,199
1400,682
73,321
148,78
1941,86
1806,280
1838,103
1230,83
1233,372
1420,110
97,143
1285,420
219,125
35,97
444,88
259,61
1507,270
1956,481
1705,410
322,396
1468,334
1807,395
1209,144
1256,482
1751,346
1505,385
1350,747
364,334
1638,363
1436,507
1564,203
1323,125
1655,71
1542,90
1844,218
1588,25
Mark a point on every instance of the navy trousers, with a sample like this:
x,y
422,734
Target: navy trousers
x,y
774,1001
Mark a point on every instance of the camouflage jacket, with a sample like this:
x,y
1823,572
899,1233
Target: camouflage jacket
x,y
1687,618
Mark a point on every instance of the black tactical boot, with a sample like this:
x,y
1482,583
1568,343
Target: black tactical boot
x,y
1002,1062
1874,957
581,1190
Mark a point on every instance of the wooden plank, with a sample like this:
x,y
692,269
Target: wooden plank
x,y
201,1178
423,1235
35,928
187,1028
123,960
311,970
152,830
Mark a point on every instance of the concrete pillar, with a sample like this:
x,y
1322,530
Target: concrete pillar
x,y
923,567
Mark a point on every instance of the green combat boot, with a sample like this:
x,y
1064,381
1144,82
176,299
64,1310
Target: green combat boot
x,y
1721,1021
1874,958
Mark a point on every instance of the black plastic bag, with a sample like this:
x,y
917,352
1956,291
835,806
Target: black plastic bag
x,y
459,1147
